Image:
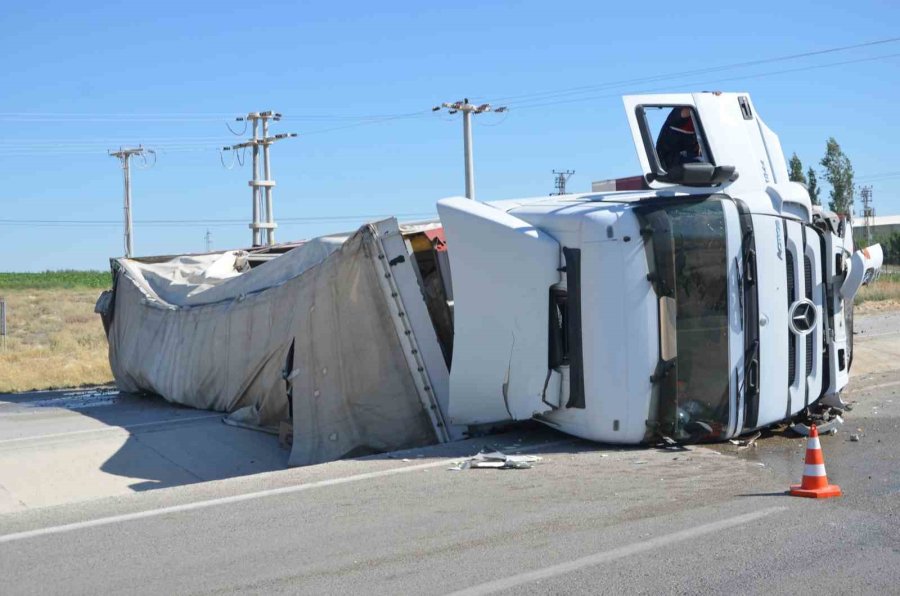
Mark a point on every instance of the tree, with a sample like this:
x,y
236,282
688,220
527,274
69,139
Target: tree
x,y
839,173
813,186
795,168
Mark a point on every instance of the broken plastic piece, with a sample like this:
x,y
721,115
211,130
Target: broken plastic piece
x,y
496,460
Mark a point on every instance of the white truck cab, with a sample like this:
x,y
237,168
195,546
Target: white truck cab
x,y
709,301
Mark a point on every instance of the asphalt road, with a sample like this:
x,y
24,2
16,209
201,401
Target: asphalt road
x,y
586,519
94,443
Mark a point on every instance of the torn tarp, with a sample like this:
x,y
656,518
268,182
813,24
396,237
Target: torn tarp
x,y
210,333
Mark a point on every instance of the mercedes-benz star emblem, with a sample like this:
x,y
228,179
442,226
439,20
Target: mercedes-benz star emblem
x,y
803,316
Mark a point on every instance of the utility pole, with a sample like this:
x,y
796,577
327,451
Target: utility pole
x,y
560,179
468,110
208,240
259,187
868,211
125,155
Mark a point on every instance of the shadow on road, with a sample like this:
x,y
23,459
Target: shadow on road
x,y
68,445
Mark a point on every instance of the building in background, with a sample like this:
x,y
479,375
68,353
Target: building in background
x,y
884,225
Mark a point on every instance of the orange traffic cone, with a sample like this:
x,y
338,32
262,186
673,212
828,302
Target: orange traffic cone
x,y
815,482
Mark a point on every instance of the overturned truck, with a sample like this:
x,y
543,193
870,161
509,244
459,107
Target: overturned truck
x,y
699,301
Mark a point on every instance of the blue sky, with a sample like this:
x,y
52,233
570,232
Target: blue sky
x,y
81,79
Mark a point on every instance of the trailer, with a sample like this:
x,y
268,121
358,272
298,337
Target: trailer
x,y
704,299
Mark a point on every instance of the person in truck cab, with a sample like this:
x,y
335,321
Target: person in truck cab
x,y
677,142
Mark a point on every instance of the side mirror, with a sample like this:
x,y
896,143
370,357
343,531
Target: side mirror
x,y
863,265
699,174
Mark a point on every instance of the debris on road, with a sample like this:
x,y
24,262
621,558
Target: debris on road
x,y
855,438
745,443
670,444
496,460
77,400
826,418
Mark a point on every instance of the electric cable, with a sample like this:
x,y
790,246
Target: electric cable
x,y
658,77
709,82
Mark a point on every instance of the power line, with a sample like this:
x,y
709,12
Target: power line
x,y
98,141
369,122
157,118
218,116
184,147
708,82
198,144
879,176
686,73
9,152
311,220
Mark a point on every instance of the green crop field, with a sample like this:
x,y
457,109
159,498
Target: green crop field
x,y
64,279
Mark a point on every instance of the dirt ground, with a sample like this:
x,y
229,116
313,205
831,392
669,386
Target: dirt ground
x,y
872,307
55,340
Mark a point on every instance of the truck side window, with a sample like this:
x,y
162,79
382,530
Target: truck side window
x,y
677,142
678,136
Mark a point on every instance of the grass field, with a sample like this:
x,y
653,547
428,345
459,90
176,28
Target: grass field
x,y
55,339
883,293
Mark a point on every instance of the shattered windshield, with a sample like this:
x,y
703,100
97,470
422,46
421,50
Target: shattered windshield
x,y
687,254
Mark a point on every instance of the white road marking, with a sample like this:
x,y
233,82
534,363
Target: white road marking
x,y
114,519
614,554
108,428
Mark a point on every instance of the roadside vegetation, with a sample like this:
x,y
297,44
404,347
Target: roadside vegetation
x,y
56,279
54,338
882,294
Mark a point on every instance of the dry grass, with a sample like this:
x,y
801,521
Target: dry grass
x,y
883,294
55,340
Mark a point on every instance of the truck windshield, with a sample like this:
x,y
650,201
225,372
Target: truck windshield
x,y
687,255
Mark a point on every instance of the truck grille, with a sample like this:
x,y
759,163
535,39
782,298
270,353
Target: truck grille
x,y
807,265
791,297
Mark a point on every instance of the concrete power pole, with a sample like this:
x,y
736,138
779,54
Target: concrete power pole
x,y
208,238
868,211
125,156
560,179
468,110
264,186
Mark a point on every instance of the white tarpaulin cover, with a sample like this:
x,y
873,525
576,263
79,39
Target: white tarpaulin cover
x,y
199,331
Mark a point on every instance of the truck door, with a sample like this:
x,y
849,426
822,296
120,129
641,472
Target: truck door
x,y
704,139
502,269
